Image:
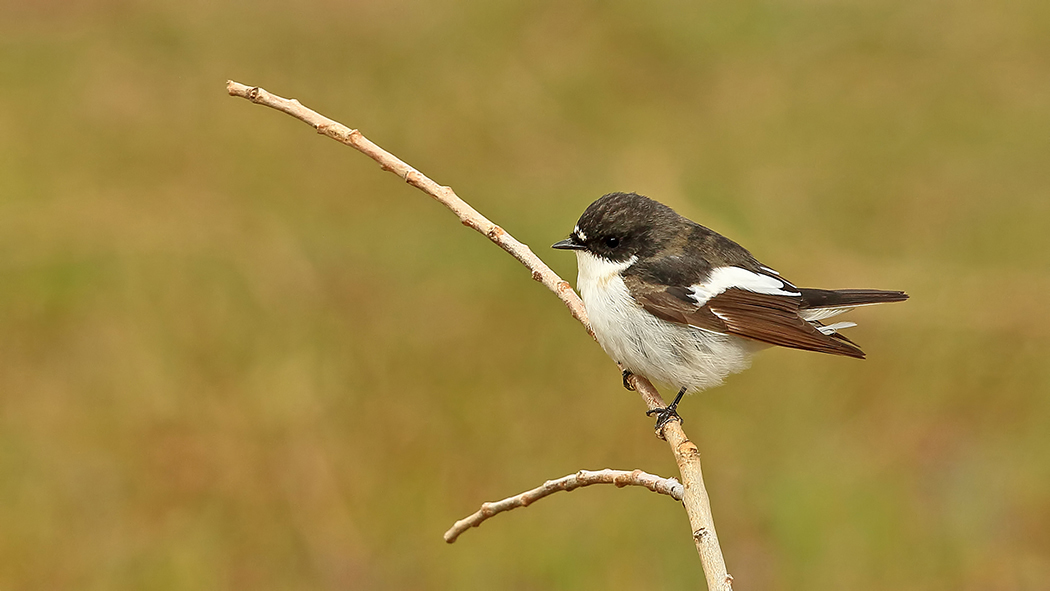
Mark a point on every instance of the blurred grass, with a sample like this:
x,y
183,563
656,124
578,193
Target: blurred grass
x,y
207,312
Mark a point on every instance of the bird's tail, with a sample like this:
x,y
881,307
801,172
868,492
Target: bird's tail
x,y
819,304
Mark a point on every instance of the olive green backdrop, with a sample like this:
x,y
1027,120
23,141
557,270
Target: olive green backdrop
x,y
236,355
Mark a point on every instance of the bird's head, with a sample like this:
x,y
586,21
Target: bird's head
x,y
623,225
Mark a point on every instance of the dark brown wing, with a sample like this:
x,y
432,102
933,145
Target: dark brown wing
x,y
768,318
774,319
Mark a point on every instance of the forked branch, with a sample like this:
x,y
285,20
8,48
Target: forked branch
x,y
621,478
687,456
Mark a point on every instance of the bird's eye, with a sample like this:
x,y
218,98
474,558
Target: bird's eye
x,y
612,242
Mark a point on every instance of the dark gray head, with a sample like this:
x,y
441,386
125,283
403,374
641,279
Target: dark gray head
x,y
621,225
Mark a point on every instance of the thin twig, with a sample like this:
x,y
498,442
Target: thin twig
x,y
695,499
621,478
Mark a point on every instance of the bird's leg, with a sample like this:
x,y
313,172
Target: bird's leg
x,y
626,379
669,413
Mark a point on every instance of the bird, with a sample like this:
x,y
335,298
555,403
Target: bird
x,y
682,305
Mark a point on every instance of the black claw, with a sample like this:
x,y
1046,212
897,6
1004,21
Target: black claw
x,y
668,413
626,379
664,416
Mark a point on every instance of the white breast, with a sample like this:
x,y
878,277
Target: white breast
x,y
673,354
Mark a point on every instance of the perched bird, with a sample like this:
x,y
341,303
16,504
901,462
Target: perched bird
x,y
685,306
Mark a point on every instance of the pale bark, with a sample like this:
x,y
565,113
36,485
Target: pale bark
x,y
621,478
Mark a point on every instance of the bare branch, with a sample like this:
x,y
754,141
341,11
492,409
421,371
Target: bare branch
x,y
695,499
621,478
467,214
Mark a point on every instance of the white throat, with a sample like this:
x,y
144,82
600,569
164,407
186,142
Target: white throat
x,y
596,272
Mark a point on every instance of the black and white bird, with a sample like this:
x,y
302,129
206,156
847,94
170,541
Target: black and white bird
x,y
685,306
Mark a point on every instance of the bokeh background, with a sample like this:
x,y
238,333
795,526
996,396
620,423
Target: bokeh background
x,y
236,355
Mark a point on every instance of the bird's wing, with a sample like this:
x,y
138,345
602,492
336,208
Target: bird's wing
x,y
733,300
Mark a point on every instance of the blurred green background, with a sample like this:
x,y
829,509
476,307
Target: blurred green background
x,y
236,355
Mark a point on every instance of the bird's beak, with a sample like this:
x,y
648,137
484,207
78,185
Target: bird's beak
x,y
569,243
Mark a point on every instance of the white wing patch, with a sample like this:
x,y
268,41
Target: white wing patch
x,y
724,278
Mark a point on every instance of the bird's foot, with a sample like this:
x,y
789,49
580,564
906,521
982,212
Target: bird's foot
x,y
627,379
664,416
667,414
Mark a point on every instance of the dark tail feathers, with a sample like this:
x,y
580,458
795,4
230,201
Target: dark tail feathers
x,y
842,298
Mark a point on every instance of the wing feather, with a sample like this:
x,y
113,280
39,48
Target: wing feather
x,y
769,318
774,319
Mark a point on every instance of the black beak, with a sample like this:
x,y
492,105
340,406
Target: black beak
x,y
569,243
